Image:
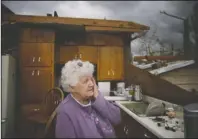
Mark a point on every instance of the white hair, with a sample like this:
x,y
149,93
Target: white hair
x,y
73,70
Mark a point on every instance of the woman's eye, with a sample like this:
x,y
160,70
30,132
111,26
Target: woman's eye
x,y
85,81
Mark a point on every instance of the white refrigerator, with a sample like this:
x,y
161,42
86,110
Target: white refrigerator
x,y
8,94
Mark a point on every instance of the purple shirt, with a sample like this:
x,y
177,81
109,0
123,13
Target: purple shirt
x,y
93,121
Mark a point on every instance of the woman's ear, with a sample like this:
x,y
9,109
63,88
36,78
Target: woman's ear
x,y
71,88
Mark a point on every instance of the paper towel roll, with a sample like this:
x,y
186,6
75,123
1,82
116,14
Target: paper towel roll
x,y
104,88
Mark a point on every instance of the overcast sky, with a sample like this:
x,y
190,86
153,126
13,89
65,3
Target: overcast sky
x,y
168,29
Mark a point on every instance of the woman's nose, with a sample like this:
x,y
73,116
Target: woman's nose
x,y
90,83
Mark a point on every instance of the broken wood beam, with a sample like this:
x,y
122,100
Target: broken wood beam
x,y
159,88
137,58
91,24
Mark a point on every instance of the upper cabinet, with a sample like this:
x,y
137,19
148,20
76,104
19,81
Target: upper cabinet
x,y
105,50
85,53
37,35
117,63
37,47
36,54
108,58
88,53
104,63
67,53
110,63
99,39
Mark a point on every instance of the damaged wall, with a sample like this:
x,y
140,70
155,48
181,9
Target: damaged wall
x,y
191,35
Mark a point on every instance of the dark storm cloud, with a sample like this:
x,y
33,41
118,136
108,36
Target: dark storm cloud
x,y
168,29
31,7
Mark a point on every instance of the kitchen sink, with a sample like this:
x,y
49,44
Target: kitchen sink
x,y
139,108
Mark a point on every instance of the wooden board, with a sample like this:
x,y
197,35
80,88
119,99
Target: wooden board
x,y
182,72
111,29
186,79
189,87
130,26
137,58
159,88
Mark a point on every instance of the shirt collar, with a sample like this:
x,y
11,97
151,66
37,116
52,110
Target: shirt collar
x,y
83,105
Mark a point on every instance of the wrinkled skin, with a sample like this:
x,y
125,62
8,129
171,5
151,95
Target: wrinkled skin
x,y
85,89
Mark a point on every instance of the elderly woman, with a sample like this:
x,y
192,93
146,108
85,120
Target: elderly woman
x,y
84,113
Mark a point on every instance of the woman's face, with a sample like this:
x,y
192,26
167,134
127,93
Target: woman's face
x,y
85,87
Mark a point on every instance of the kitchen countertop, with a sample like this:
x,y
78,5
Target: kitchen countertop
x,y
115,98
150,125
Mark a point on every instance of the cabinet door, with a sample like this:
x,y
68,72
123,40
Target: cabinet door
x,y
37,35
44,79
88,53
28,54
28,35
36,54
117,63
45,35
35,83
104,63
68,53
45,54
28,88
133,129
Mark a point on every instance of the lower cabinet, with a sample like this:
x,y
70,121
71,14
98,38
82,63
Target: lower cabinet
x,y
130,128
35,83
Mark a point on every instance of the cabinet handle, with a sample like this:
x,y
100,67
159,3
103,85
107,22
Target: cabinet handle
x,y
75,57
112,72
39,59
38,72
146,136
108,72
33,73
126,130
33,59
80,56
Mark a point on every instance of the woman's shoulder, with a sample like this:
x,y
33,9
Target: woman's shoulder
x,y
65,106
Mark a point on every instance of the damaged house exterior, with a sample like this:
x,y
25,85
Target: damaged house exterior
x,y
42,43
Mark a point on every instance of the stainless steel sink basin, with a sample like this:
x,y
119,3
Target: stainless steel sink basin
x,y
139,108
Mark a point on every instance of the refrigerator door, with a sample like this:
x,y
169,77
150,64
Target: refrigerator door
x,y
8,95
3,128
5,83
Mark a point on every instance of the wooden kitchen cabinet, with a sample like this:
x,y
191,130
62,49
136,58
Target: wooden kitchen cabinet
x,y
117,63
130,128
67,53
104,63
37,35
28,54
110,63
28,35
36,54
85,53
45,52
35,83
88,53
